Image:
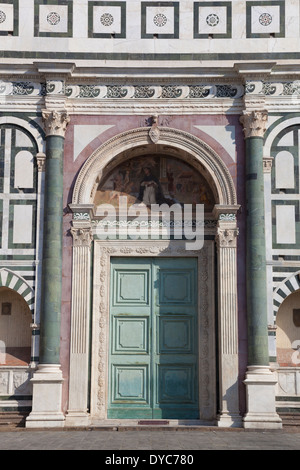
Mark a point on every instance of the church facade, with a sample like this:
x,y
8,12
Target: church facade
x,y
111,313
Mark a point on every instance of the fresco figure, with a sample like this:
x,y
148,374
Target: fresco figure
x,y
150,189
143,181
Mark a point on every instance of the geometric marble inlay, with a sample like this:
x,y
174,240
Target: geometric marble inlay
x,y
53,18
6,17
211,18
265,18
160,19
107,19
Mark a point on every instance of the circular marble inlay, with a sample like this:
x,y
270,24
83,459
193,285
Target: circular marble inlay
x,y
53,18
107,19
212,19
160,20
2,16
265,19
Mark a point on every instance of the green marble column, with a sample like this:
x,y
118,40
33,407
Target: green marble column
x,y
55,124
254,127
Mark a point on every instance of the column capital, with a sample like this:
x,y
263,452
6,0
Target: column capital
x,y
268,162
55,122
82,235
226,237
254,123
41,160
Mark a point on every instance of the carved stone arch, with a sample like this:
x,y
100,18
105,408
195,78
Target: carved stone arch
x,y
190,149
15,282
33,129
275,131
195,151
286,287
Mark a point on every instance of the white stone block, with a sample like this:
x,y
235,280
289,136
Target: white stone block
x,y
22,228
107,19
22,140
212,20
225,135
284,170
260,395
53,18
265,19
159,20
23,170
285,224
83,135
6,17
47,398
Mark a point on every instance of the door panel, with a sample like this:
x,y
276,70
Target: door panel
x,y
153,339
175,335
175,357
131,335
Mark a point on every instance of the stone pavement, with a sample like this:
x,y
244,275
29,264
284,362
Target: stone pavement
x,y
173,441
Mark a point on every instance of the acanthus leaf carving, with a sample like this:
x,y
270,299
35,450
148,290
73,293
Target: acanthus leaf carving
x,y
55,122
82,236
254,123
227,237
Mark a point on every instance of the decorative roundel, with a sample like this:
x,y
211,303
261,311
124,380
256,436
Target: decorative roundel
x,y
212,19
107,19
265,19
53,18
2,16
160,19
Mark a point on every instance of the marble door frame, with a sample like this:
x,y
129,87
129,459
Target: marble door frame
x,y
203,158
103,251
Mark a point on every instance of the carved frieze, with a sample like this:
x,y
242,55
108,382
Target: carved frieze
x,y
261,87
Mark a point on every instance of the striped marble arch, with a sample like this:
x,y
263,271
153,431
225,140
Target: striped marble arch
x,y
286,287
15,282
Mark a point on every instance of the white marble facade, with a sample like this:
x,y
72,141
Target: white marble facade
x,y
150,27
113,66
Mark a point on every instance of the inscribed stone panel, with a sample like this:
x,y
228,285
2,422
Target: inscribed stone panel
x,y
212,18
6,17
160,19
9,13
265,18
107,19
53,18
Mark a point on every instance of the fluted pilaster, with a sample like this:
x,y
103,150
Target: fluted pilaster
x,y
80,318
226,239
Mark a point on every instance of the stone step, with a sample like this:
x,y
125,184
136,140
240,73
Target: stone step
x,y
290,419
13,418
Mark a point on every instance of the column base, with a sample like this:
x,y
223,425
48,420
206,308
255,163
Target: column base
x,y
77,419
227,420
260,392
46,398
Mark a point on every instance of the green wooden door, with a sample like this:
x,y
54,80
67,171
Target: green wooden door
x,y
153,339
